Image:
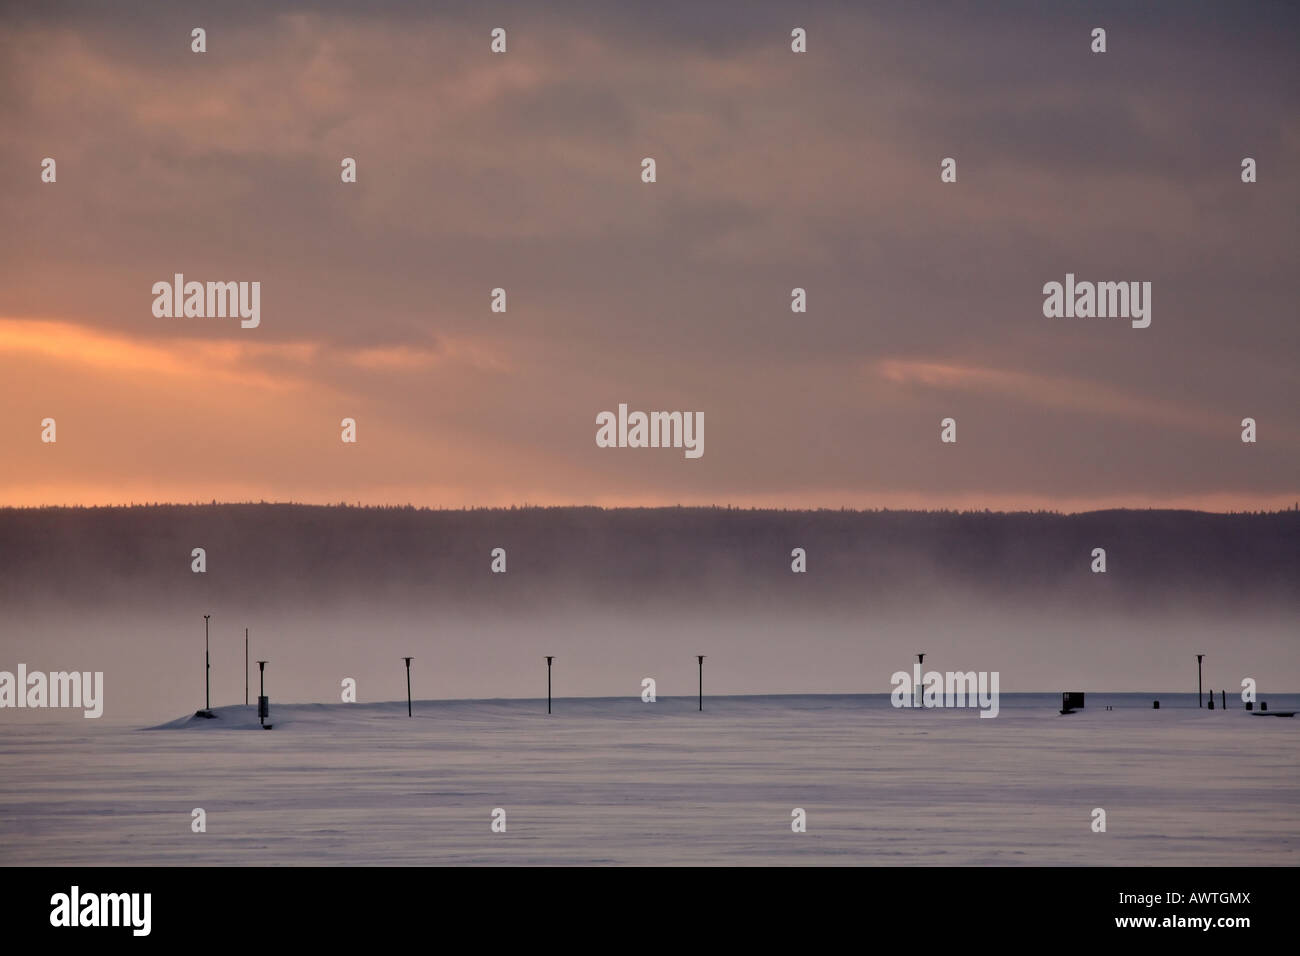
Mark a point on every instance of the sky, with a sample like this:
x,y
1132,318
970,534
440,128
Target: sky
x,y
775,170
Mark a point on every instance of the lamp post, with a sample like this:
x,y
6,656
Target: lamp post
x,y
700,658
263,705
1198,680
408,685
245,667
548,682
207,667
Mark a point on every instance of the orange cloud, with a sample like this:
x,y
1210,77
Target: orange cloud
x,y
233,361
73,344
1054,391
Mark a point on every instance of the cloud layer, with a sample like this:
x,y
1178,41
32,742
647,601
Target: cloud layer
x,y
775,170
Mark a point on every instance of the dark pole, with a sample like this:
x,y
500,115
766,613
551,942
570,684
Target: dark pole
x,y
920,659
245,667
261,690
1198,680
548,683
700,657
207,667
408,685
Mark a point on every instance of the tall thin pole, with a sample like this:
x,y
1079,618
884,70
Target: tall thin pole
x,y
207,667
920,659
245,667
1198,680
548,683
408,685
700,658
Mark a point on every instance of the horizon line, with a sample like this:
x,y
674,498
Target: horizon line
x,y
526,506
635,697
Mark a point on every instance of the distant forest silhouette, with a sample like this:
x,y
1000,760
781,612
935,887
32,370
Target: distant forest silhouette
x,y
261,553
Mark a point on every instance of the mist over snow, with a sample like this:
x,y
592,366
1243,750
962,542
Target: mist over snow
x,y
620,595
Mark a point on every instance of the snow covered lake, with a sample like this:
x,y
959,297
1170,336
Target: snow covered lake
x,y
618,781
